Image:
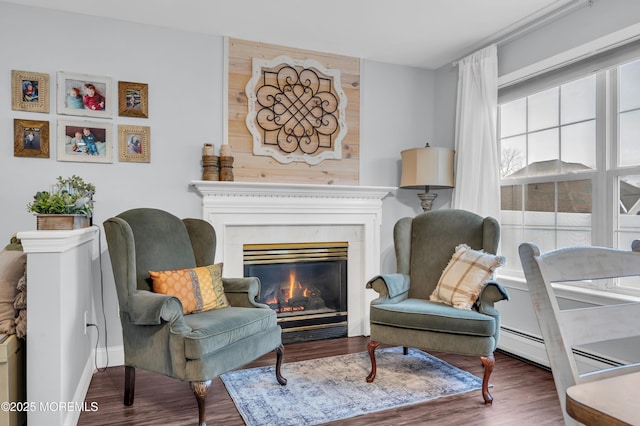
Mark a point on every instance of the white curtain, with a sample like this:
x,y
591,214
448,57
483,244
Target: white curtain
x,y
477,175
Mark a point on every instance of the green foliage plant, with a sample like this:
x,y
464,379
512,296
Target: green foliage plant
x,y
68,196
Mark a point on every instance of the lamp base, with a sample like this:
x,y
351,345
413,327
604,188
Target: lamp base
x,y
426,200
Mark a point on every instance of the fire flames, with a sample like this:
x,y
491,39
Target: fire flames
x,y
285,298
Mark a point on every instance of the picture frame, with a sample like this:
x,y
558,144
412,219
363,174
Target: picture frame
x,y
29,91
133,99
85,141
31,138
134,144
84,95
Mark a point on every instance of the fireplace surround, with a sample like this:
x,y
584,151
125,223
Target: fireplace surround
x,y
265,213
305,284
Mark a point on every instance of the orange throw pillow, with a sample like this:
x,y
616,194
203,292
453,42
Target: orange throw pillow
x,y
199,289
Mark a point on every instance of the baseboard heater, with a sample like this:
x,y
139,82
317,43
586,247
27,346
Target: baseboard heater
x,y
530,348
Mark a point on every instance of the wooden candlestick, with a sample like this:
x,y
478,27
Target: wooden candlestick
x,y
226,168
210,169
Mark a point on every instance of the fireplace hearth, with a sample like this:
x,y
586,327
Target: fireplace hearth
x,y
305,284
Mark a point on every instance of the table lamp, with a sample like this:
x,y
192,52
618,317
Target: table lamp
x,y
428,168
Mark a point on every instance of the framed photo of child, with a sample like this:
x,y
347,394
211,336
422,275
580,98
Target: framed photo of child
x,y
133,99
84,95
134,144
85,141
29,91
31,138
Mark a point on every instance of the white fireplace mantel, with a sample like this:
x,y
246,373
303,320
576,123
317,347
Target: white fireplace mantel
x,y
263,213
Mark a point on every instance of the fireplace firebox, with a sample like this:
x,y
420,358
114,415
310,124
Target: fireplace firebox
x,y
305,284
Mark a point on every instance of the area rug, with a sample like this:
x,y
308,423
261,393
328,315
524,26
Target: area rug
x,y
334,388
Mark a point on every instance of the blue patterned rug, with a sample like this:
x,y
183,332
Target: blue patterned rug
x,y
333,388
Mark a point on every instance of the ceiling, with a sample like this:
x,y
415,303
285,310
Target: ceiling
x,y
420,33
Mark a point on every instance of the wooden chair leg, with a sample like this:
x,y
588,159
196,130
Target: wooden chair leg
x,y
371,347
488,362
279,353
200,391
129,384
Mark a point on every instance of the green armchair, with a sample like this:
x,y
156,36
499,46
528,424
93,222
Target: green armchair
x,y
157,336
403,315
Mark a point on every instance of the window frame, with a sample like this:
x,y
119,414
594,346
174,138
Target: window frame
x,y
605,229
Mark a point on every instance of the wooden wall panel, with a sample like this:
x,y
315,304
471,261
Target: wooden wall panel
x,y
254,168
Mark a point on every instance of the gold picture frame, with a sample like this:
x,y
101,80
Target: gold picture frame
x,y
29,91
133,99
31,138
134,144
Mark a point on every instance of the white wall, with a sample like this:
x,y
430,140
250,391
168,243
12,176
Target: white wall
x,y
397,114
184,73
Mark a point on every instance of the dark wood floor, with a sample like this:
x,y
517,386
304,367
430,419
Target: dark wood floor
x,y
523,395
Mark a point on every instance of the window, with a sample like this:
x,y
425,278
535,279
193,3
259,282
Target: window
x,y
570,162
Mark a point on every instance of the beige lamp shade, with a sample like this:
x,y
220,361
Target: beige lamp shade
x,y
428,166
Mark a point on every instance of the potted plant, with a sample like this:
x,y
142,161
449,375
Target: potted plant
x,y
68,205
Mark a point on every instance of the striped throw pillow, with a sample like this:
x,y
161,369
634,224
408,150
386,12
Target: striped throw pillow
x,y
464,277
199,289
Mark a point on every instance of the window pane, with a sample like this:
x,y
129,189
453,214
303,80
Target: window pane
x,y
513,118
511,197
545,239
543,153
578,147
543,109
540,197
511,236
629,198
512,156
578,100
573,237
632,283
574,196
629,137
573,218
629,86
628,221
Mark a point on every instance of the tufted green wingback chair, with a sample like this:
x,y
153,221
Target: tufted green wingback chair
x,y
402,315
157,336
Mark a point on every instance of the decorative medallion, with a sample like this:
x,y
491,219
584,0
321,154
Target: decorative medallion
x,y
296,110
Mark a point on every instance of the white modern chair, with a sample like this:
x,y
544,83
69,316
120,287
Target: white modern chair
x,y
564,330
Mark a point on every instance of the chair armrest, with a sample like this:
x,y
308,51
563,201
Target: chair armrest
x,y
243,292
491,293
391,288
148,308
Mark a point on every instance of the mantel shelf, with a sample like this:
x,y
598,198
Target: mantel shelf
x,y
263,189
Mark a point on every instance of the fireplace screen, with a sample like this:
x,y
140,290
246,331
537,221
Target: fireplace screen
x,y
304,283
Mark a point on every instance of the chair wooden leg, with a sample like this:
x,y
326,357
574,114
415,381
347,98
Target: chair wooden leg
x,y
279,353
488,362
200,391
129,384
371,347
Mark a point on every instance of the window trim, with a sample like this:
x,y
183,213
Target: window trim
x,y
573,292
610,41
